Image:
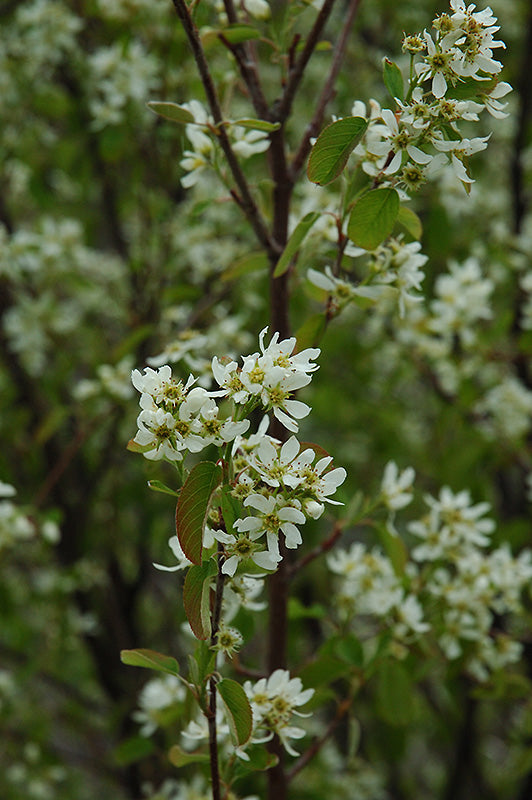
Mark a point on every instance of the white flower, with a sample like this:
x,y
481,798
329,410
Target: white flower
x,y
440,61
272,519
248,142
157,431
396,488
182,561
273,702
491,100
244,547
259,9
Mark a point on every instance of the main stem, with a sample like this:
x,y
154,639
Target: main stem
x,y
213,735
280,321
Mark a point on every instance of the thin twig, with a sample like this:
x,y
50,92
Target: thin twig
x,y
211,718
315,124
247,65
284,105
324,547
247,204
316,746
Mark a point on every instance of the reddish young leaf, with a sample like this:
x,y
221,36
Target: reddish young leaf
x,y
192,508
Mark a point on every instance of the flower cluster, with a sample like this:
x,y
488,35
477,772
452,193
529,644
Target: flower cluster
x,y
472,588
203,154
371,589
393,270
274,701
280,485
406,145
269,378
176,417
16,526
451,591
119,76
157,697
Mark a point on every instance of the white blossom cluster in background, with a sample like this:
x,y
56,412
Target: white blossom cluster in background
x,y
16,526
452,591
120,74
195,789
48,30
39,260
404,147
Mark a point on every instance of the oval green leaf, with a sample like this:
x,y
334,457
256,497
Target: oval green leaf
x,y
257,124
394,693
393,78
311,332
333,147
409,221
234,34
150,659
294,242
238,710
171,111
193,506
159,486
373,217
180,758
196,596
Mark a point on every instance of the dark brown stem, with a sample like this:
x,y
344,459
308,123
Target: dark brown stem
x,y
211,718
247,65
283,106
247,203
524,92
313,128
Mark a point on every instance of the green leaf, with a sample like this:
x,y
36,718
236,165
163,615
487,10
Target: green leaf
x,y
133,749
373,217
238,710
257,124
296,610
138,448
310,333
159,486
150,659
410,222
193,506
394,693
201,663
230,508
180,758
196,592
259,761
395,550
349,648
333,147
393,79
171,111
252,262
234,34
323,670
294,242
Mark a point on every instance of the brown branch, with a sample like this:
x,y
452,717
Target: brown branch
x,y
316,746
313,128
247,204
322,548
247,65
283,106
